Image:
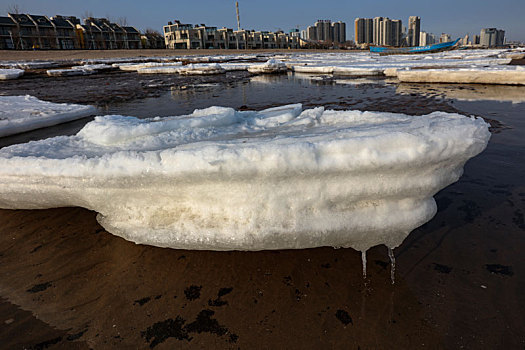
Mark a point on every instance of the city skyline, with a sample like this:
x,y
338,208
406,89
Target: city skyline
x,y
453,17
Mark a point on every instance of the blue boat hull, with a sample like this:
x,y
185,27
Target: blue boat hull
x,y
415,49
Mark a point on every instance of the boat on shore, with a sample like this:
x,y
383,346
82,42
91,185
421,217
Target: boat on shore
x,y
385,50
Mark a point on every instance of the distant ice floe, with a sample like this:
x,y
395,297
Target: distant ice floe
x,y
220,179
508,75
138,66
86,69
201,69
24,113
271,66
366,63
7,74
500,93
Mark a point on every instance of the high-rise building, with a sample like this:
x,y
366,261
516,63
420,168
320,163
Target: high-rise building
x,y
491,37
364,31
390,32
377,30
426,39
339,32
311,33
326,31
414,24
445,38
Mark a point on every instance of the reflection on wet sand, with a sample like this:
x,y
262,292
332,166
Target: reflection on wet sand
x,y
78,278
466,92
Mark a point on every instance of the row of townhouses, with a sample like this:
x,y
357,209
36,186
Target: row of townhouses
x,y
187,36
25,31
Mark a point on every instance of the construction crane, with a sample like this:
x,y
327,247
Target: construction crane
x,y
238,17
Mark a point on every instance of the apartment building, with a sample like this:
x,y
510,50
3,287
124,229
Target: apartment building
x,y
325,31
7,33
445,38
179,35
26,31
364,31
491,37
413,34
65,31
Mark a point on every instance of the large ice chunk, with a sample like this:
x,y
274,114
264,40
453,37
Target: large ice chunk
x,y
503,75
23,113
222,179
6,74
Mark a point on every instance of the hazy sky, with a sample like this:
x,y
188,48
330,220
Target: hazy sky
x,y
456,17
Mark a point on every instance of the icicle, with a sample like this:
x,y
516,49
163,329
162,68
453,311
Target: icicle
x,y
392,265
363,259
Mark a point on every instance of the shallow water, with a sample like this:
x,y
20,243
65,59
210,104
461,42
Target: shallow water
x,y
459,278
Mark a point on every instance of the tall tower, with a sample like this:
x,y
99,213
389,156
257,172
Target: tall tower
x,y
414,23
238,17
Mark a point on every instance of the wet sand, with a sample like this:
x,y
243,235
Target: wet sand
x,y
66,283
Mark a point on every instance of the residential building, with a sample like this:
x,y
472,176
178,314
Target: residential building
x,y
65,31
324,31
445,38
26,32
311,33
426,39
133,39
376,29
390,32
414,23
491,37
339,32
7,33
186,36
364,31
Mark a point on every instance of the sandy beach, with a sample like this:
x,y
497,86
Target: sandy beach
x,y
66,283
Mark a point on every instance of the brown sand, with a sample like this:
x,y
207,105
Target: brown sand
x,y
87,288
65,283
6,55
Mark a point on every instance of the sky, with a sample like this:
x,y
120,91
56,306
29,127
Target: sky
x,y
455,17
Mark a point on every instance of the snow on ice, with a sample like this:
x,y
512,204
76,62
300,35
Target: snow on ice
x,y
506,75
23,113
7,74
222,179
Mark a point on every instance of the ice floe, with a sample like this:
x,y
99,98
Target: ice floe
x,y
271,66
222,179
23,113
201,69
7,74
137,66
508,75
86,69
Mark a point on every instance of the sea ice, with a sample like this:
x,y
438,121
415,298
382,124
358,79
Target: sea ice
x,y
506,75
137,66
6,74
222,179
202,69
86,69
23,113
269,67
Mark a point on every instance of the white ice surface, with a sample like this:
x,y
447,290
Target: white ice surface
x,y
7,74
504,75
85,69
23,113
269,67
366,63
137,66
222,179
